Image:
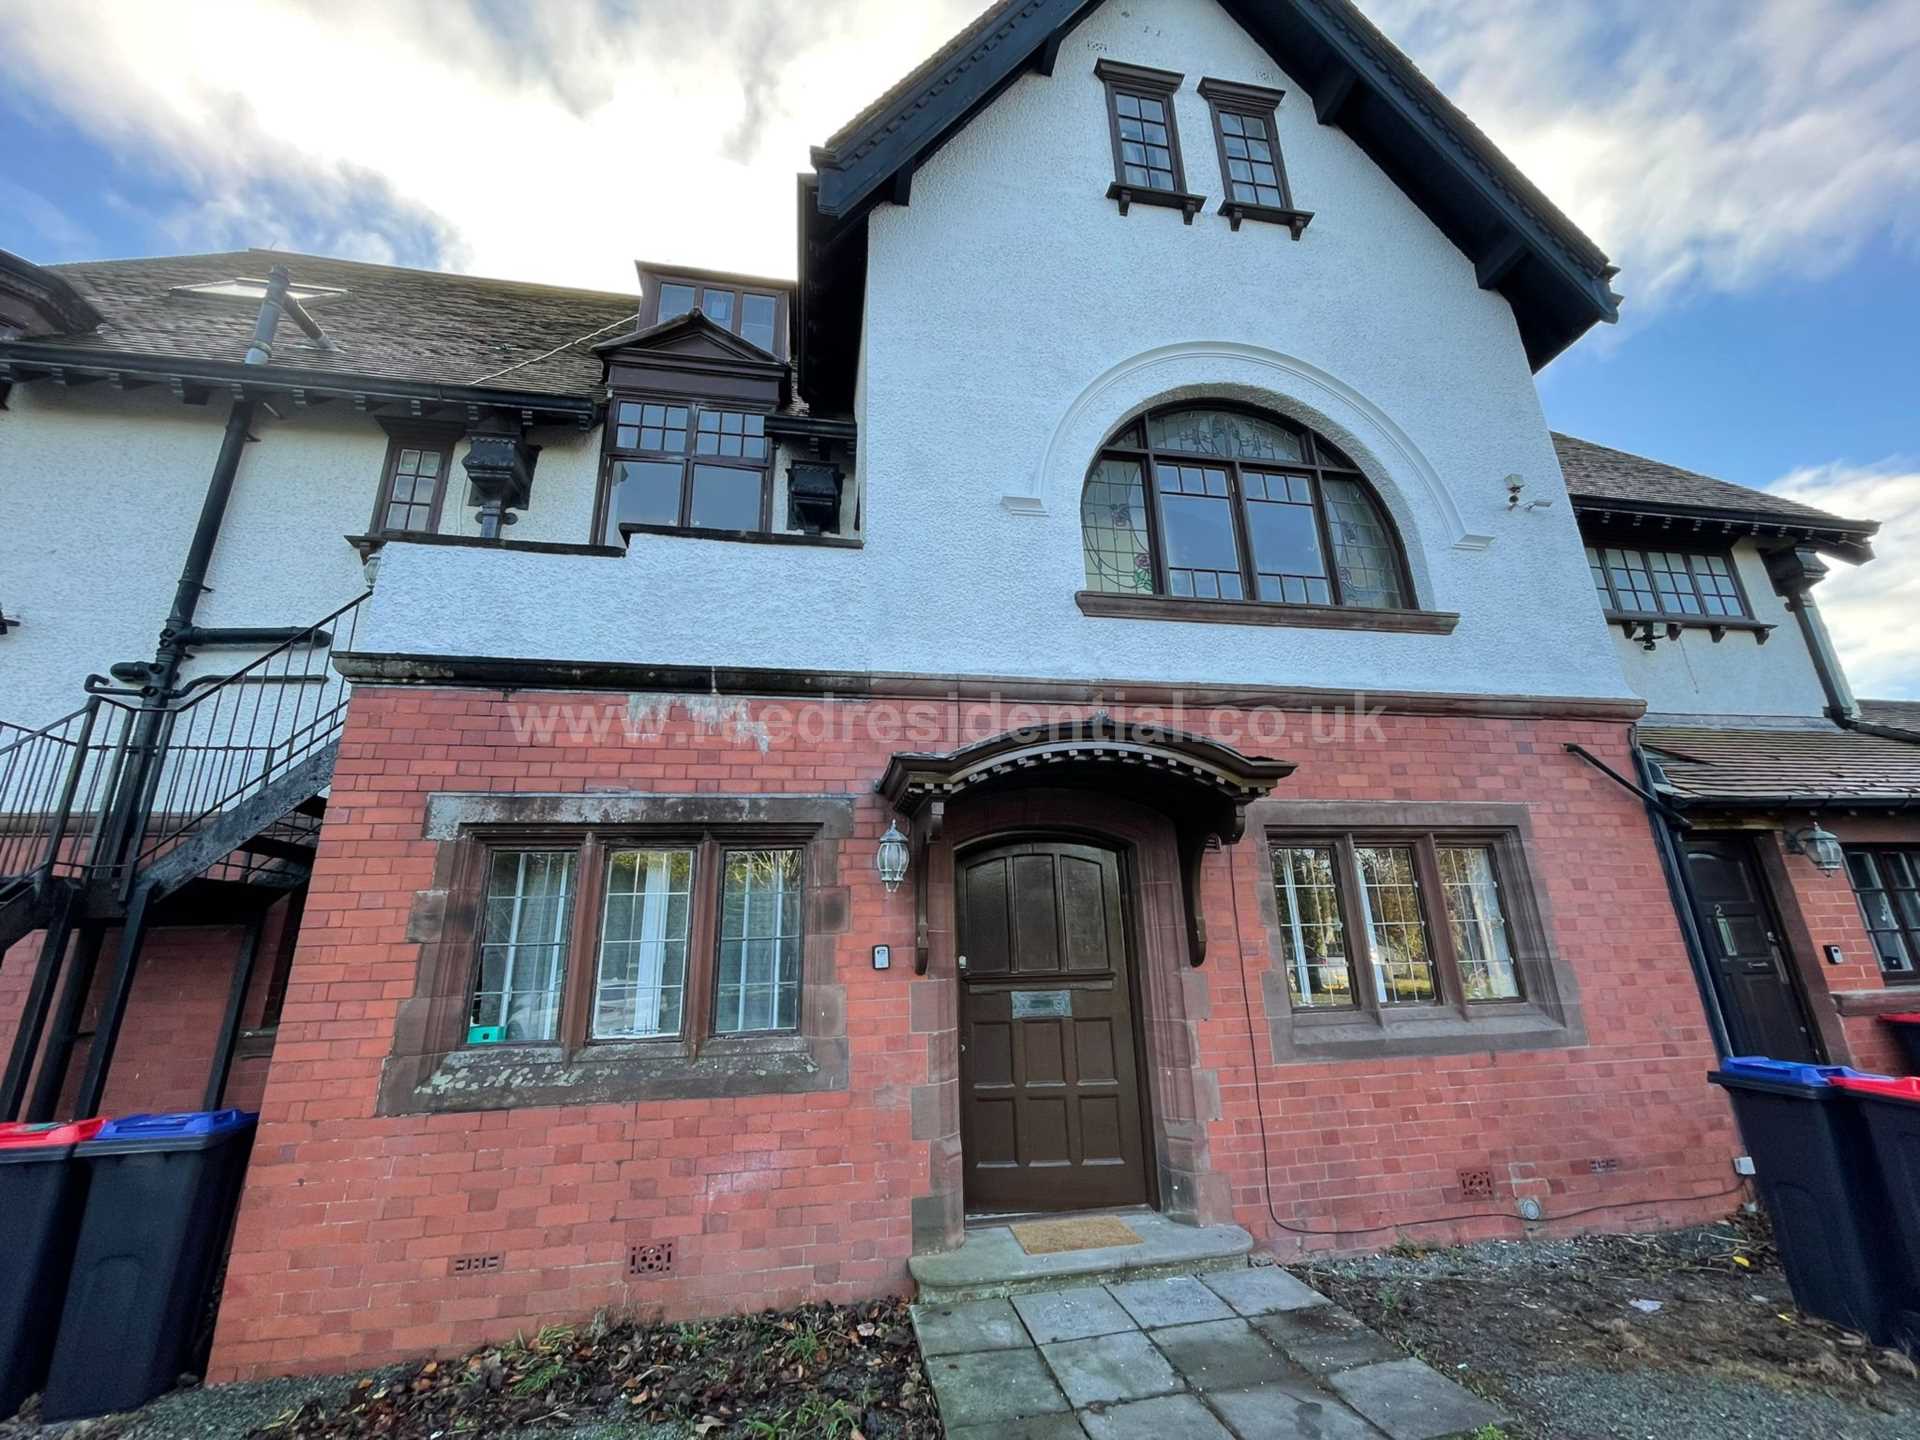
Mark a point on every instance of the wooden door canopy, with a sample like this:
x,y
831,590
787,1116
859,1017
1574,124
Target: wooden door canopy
x,y
1203,786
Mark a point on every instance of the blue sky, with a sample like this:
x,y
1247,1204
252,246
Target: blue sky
x,y
1753,166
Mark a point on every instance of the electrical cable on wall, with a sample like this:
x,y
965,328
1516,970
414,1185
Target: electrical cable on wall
x,y
1266,1156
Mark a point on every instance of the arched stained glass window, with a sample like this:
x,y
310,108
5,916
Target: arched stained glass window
x,y
1212,503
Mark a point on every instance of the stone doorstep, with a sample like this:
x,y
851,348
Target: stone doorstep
x,y
990,1263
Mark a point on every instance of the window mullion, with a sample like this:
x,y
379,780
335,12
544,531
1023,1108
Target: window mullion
x,y
703,941
581,978
1351,888
1325,530
1155,532
1433,906
1242,532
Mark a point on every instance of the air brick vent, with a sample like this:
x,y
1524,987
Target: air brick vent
x,y
1605,1165
490,1264
645,1260
1476,1184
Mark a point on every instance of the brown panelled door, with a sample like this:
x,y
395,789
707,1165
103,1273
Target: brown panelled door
x,y
1763,1010
1049,1088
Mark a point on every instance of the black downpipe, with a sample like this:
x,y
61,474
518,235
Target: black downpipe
x,y
1667,841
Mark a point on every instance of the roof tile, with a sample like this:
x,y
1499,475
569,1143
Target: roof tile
x,y
1825,764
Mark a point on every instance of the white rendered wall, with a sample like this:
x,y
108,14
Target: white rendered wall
x,y
1695,676
100,492
1014,319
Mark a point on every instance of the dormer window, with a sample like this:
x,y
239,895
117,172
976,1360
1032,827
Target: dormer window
x,y
1146,142
755,310
1668,584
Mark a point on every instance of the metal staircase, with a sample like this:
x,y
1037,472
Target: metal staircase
x,y
139,794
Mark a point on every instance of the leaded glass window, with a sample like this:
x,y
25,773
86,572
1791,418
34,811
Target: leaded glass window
x,y
640,990
1886,882
1390,903
415,476
759,968
1146,140
1481,942
523,949
1253,174
1209,503
1312,934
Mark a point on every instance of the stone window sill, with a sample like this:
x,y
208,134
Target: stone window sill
x,y
1127,196
1437,1030
1259,612
1238,210
511,1076
1899,998
1716,626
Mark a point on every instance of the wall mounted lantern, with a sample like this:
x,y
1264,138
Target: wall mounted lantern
x,y
1820,846
890,859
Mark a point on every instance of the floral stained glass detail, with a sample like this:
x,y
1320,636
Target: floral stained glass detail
x,y
1113,529
1363,548
1227,434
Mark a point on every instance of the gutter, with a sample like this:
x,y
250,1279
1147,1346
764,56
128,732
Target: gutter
x,y
17,358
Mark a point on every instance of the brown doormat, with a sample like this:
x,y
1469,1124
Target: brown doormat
x,y
1092,1232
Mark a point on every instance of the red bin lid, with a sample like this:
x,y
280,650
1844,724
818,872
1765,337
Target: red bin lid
x,y
24,1135
1905,1017
1884,1089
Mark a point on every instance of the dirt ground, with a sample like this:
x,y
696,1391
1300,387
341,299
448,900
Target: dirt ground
x,y
1550,1331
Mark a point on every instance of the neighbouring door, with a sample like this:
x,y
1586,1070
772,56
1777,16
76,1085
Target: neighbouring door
x,y
1049,1084
1762,1005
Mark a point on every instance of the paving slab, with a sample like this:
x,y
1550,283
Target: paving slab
x,y
990,1261
1034,1427
1222,1355
968,1326
1411,1401
1171,1417
1262,1291
1287,1412
994,1387
1110,1368
1324,1338
1174,1300
1072,1314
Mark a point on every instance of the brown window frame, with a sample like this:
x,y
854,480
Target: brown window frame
x,y
579,981
1142,83
1430,893
612,453
399,440
1615,607
738,286
1227,97
1907,929
1321,457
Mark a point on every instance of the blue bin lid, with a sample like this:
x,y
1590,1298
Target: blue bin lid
x,y
180,1125
1787,1072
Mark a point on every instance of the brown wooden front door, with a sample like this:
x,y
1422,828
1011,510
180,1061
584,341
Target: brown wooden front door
x,y
1049,1087
1758,997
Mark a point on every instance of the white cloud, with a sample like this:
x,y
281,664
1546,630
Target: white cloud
x,y
552,142
1870,609
1711,144
1707,145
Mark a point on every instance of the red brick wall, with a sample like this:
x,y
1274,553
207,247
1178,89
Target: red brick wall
x,y
173,1016
350,1220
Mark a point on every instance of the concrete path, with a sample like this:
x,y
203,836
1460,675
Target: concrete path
x,y
1244,1354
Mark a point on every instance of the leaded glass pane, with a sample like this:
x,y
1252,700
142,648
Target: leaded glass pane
x,y
640,988
1481,940
410,494
523,944
1146,141
1196,519
760,950
1886,885
731,433
1364,554
1312,936
1285,538
1390,900
1113,529
1226,434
